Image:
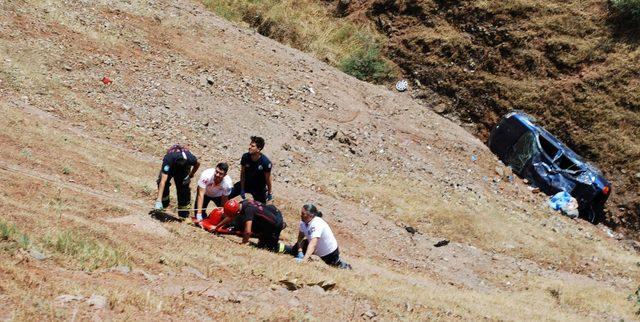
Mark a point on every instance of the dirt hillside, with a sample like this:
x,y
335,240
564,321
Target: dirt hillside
x,y
572,64
81,158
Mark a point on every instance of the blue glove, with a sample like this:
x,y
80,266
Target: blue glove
x,y
242,194
299,257
186,181
158,205
269,197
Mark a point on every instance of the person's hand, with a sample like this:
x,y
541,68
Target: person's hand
x,y
242,195
269,197
199,216
299,257
186,181
158,205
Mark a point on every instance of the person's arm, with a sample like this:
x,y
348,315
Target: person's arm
x,y
247,231
267,178
311,248
200,201
242,178
163,182
194,169
225,221
300,239
224,199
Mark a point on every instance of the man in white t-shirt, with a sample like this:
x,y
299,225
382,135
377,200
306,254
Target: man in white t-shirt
x,y
214,185
316,238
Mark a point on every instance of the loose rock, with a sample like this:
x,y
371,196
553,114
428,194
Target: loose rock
x,y
97,301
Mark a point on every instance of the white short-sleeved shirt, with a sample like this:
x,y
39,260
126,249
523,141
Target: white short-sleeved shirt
x,y
319,228
211,189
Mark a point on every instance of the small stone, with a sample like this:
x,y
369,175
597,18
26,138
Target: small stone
x,y
124,269
500,171
66,298
411,230
97,301
441,243
37,255
210,80
291,285
327,285
370,314
317,289
637,175
440,108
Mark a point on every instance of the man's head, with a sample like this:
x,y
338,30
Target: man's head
x,y
256,145
221,171
231,208
308,212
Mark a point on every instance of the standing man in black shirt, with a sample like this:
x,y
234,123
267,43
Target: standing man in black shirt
x,y
177,164
255,173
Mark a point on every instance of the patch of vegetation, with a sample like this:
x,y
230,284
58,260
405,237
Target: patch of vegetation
x,y
311,26
66,170
88,253
635,298
366,64
9,233
630,8
26,153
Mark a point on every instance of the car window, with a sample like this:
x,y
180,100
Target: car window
x,y
550,149
522,151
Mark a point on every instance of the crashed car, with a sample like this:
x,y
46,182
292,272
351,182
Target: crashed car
x,y
535,154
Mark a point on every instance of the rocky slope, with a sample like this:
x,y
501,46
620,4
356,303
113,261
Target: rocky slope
x,y
82,157
573,65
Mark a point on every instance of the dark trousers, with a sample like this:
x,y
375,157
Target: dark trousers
x,y
205,202
259,194
269,240
182,191
332,258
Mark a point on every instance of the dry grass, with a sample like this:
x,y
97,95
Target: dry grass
x,y
306,25
70,221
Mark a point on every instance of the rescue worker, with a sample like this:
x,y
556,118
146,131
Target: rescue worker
x,y
181,165
255,174
254,218
214,185
316,238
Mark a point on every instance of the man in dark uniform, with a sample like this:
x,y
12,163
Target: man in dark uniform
x,y
255,218
255,173
181,165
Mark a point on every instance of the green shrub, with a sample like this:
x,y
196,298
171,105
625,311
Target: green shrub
x,y
628,7
366,64
9,232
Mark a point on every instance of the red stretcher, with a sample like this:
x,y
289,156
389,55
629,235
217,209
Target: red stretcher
x,y
210,223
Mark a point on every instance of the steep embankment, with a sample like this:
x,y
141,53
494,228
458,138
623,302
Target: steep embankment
x,y
81,159
572,64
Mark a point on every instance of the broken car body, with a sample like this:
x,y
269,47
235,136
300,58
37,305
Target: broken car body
x,y
535,154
